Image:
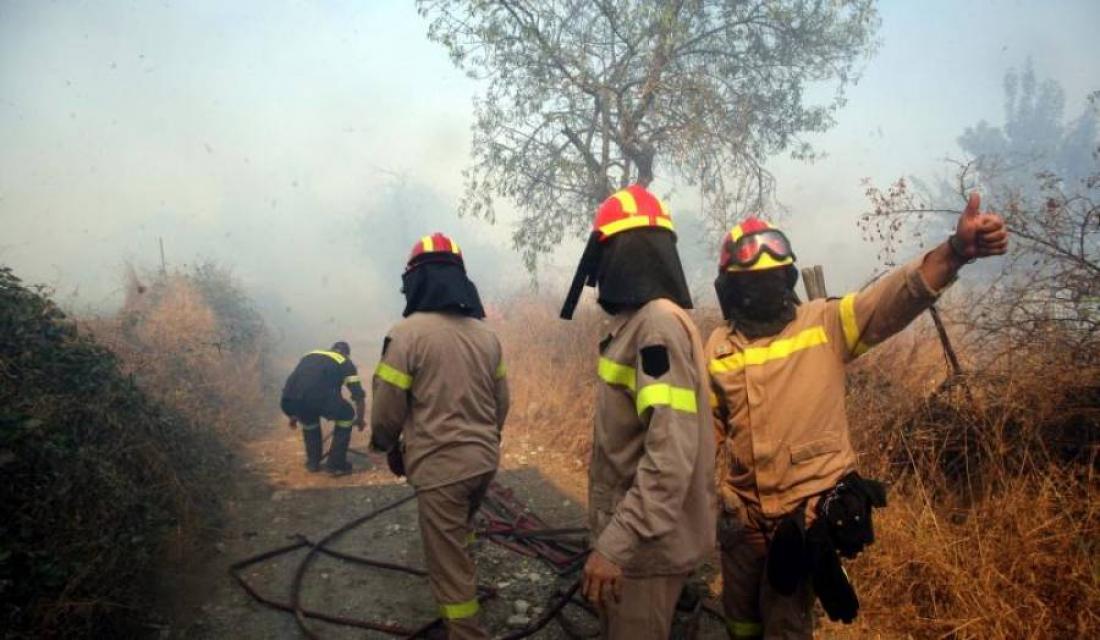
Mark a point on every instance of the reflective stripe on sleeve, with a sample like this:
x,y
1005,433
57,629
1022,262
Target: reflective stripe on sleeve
x,y
339,358
660,393
397,378
850,326
812,337
614,373
459,610
743,629
351,380
501,371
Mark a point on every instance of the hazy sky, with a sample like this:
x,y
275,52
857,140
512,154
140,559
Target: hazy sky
x,y
273,136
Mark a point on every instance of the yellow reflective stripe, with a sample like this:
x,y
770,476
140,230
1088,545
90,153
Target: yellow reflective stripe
x,y
351,379
678,398
501,371
471,538
627,202
812,337
851,327
634,222
344,423
612,372
308,427
332,354
397,378
742,629
713,400
426,244
459,610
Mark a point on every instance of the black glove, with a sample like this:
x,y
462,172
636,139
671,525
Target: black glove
x,y
830,582
787,564
396,461
847,512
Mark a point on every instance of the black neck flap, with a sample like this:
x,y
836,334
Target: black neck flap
x,y
758,303
639,266
440,286
586,273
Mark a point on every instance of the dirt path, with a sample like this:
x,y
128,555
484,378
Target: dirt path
x,y
276,500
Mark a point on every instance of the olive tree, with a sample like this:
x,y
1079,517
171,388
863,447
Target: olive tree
x,y
582,97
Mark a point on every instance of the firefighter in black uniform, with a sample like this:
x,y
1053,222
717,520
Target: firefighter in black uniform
x,y
312,392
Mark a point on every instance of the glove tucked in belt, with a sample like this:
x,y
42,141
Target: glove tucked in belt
x,y
847,511
843,528
396,461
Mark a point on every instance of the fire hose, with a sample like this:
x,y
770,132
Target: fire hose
x,y
507,522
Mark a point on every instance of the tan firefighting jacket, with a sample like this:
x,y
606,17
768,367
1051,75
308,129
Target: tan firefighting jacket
x,y
779,407
442,383
651,495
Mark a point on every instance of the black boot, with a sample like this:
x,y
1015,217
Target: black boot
x,y
312,438
337,463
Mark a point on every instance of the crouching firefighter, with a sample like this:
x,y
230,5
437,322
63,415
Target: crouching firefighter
x,y
312,392
791,500
651,495
440,400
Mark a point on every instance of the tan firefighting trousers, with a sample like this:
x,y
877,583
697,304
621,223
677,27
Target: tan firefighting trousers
x,y
445,527
752,608
645,609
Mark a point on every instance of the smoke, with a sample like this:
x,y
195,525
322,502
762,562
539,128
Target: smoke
x,y
307,146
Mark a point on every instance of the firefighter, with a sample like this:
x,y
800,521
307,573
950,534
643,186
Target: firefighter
x,y
440,400
651,495
785,457
312,392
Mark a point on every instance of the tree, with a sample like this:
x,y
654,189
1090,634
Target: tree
x,y
584,96
1043,176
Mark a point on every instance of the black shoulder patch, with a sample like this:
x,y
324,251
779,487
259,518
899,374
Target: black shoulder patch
x,y
385,346
603,343
655,360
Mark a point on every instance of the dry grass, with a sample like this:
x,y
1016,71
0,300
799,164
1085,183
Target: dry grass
x,y
993,528
192,341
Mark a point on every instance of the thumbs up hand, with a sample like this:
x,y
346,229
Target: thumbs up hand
x,y
979,235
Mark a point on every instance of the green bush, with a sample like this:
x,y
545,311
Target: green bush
x,y
92,472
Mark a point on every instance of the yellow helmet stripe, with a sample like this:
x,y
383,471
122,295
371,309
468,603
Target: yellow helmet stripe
x,y
633,222
627,201
664,207
426,242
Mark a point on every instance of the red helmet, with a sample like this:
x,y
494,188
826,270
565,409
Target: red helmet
x,y
631,208
434,248
754,245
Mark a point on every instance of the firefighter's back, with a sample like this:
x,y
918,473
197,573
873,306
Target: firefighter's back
x,y
318,373
454,362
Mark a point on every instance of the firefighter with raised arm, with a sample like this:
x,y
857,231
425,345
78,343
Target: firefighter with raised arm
x,y
792,503
312,392
651,496
440,399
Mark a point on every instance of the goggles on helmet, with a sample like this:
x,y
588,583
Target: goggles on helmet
x,y
749,248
